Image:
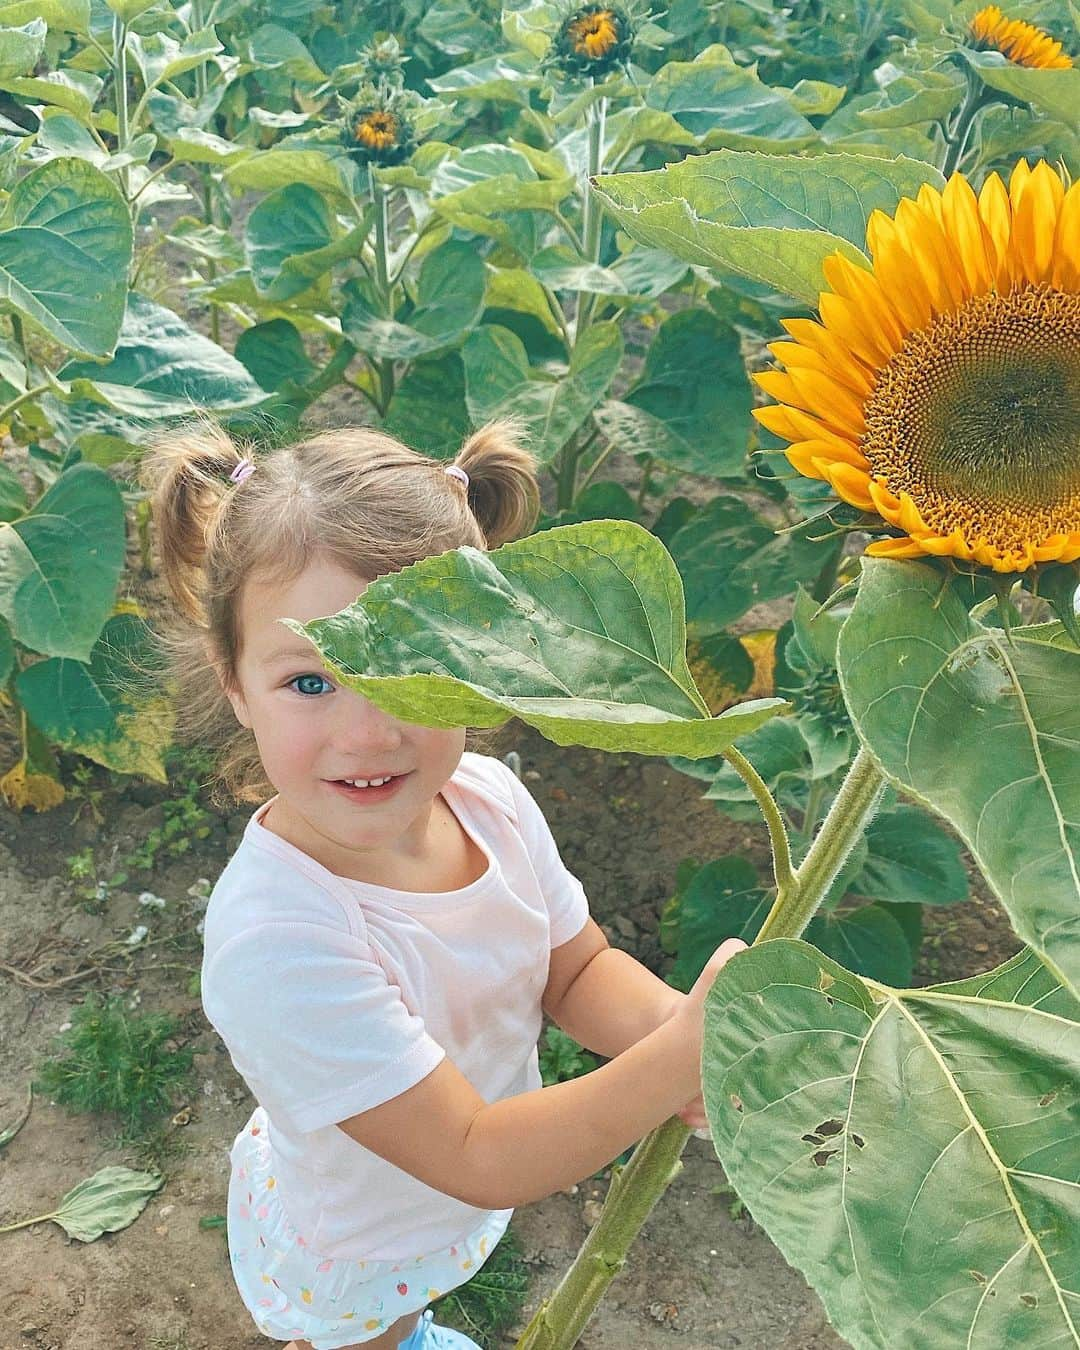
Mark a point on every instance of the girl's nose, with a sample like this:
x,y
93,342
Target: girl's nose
x,y
363,725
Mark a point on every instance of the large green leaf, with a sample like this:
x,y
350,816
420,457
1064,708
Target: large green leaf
x,y
912,1152
730,560
911,860
982,728
163,368
500,381
771,218
577,630
428,409
723,899
60,564
293,220
21,47
65,251
725,104
449,301
695,384
332,175
94,708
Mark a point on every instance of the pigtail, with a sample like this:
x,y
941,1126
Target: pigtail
x,y
186,475
503,490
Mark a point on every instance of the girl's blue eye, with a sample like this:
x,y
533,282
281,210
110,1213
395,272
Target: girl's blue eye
x,y
321,679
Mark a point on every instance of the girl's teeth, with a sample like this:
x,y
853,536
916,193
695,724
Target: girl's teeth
x,y
365,782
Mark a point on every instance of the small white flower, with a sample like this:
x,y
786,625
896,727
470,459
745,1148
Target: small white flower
x,y
148,898
65,1026
200,926
137,935
102,892
200,890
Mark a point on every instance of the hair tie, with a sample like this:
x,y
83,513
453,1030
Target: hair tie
x,y
243,471
455,472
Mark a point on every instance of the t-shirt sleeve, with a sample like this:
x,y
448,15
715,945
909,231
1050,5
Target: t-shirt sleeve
x,y
568,907
312,1023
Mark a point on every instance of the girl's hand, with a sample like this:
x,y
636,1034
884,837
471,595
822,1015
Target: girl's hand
x,y
691,1006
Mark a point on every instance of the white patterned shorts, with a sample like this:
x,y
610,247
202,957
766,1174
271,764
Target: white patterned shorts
x,y
293,1292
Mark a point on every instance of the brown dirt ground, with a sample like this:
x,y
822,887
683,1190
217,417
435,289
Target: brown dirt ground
x,y
696,1278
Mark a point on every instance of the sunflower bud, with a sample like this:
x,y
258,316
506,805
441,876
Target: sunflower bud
x,y
593,40
378,127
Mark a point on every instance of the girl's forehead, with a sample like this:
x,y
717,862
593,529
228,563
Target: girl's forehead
x,y
323,587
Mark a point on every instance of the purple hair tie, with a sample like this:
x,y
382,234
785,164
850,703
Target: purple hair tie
x,y
243,471
455,472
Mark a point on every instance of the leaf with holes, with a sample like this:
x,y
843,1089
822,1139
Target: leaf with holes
x,y
912,1152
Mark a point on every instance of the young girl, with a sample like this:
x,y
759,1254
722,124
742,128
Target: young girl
x,y
396,918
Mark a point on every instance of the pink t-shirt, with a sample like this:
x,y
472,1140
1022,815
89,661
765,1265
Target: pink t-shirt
x,y
333,995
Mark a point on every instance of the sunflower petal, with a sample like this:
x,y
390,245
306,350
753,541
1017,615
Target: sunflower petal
x,y
894,548
850,484
1065,273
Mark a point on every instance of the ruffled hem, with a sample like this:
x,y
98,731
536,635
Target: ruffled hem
x,y
292,1291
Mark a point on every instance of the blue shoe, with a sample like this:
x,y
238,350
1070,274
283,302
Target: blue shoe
x,y
428,1336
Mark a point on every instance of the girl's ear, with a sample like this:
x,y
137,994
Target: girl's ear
x,y
229,688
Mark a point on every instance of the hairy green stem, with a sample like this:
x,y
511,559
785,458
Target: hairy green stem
x,y
654,1164
774,821
384,367
956,140
851,812
592,213
25,396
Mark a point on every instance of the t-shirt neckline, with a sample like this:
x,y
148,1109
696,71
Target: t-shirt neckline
x,y
265,838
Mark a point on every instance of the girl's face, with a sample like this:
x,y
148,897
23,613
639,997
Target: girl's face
x,y
313,734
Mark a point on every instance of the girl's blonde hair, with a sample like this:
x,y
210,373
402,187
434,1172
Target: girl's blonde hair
x,y
354,496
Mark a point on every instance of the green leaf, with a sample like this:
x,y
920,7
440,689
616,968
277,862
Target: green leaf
x,y
694,382
504,78
91,707
160,58
428,409
868,940
500,382
1055,93
727,105
75,90
326,173
730,561
293,220
65,251
774,219
110,1200
71,16
275,48
911,860
163,368
910,1152
13,499
21,47
560,268
449,300
60,564
274,355
578,631
983,729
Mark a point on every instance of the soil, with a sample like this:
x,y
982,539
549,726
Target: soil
x,y
696,1277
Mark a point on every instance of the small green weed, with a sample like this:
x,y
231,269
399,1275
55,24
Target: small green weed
x,y
119,1063
562,1058
492,1300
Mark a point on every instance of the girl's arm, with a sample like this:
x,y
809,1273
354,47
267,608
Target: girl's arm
x,y
523,1148
602,997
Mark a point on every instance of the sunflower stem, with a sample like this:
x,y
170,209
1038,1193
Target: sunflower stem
x,y
385,366
956,139
774,822
592,214
655,1163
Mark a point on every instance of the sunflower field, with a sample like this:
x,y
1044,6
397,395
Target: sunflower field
x,y
787,299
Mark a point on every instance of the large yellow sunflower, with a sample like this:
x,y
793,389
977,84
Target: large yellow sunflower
x,y
1020,42
941,389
